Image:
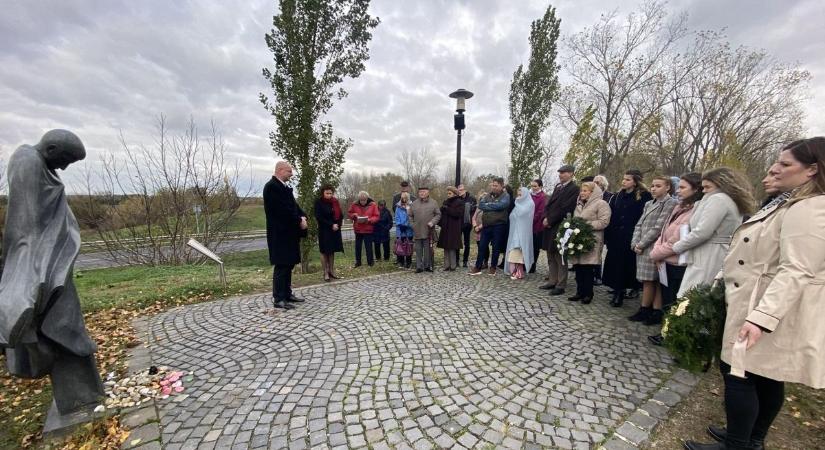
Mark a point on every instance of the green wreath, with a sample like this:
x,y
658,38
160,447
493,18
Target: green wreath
x,y
580,237
694,326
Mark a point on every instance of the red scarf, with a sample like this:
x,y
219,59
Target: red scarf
x,y
336,208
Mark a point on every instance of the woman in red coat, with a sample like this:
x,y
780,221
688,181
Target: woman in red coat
x,y
364,215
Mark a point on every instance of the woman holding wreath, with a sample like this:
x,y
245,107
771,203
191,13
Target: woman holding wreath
x,y
596,212
774,277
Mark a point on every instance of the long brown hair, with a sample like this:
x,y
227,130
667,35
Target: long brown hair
x,y
735,185
638,181
810,152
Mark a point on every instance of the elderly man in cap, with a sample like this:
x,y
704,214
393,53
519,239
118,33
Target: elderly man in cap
x,y
561,203
424,214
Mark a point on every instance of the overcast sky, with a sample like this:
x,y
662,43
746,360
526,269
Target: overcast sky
x,y
98,67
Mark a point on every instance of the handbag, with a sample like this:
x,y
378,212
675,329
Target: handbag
x,y
403,247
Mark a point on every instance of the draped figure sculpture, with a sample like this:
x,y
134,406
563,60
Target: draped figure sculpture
x,y
41,324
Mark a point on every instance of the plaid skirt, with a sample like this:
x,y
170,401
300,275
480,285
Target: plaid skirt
x,y
645,267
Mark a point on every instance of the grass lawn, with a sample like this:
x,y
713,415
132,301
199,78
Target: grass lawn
x,y
799,426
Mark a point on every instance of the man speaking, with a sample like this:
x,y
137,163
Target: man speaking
x,y
286,224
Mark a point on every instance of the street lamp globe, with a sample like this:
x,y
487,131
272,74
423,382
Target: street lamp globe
x,y
460,95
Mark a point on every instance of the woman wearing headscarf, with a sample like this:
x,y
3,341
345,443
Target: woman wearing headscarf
x,y
450,237
520,236
329,216
774,276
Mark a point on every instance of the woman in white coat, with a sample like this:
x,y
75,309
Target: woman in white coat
x,y
727,198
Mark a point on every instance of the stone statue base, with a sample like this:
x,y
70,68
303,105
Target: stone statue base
x,y
77,391
61,425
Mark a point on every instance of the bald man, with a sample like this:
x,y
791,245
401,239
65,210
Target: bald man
x,y
286,224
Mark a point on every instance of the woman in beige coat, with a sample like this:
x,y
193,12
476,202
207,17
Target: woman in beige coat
x,y
774,289
596,212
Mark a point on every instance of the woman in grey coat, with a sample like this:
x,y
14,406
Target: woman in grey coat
x,y
647,230
727,198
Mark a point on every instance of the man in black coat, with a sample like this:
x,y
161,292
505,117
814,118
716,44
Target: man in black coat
x,y
561,203
470,205
286,224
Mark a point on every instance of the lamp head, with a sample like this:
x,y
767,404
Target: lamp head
x,y
461,95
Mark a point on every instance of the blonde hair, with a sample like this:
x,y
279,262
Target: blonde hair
x,y
735,185
405,197
589,185
601,180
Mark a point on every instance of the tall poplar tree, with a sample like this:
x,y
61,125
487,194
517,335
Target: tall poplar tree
x,y
315,44
532,94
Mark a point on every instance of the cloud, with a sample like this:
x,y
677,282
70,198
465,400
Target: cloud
x,y
97,68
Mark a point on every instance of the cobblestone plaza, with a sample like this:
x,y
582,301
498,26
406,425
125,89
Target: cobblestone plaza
x,y
422,361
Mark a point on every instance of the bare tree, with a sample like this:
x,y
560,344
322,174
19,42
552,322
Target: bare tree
x,y
550,156
619,70
419,166
447,176
348,187
162,194
736,108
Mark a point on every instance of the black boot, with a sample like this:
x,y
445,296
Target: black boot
x,y
693,445
720,434
641,315
618,299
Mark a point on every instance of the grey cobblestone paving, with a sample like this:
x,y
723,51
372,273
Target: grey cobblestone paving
x,y
424,361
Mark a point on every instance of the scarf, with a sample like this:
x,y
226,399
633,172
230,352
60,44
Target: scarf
x,y
779,199
336,208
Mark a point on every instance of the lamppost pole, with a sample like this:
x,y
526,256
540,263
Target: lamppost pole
x,y
458,123
458,157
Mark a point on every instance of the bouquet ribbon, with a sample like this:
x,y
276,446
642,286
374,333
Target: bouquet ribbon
x,y
737,358
563,242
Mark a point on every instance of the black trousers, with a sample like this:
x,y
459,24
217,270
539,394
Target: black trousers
x,y
386,246
751,405
675,274
363,240
282,282
538,239
465,233
584,279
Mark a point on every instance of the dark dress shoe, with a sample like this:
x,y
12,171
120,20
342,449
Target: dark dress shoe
x,y
547,286
720,434
587,300
283,305
618,299
656,340
557,291
294,299
574,298
419,270
693,445
430,269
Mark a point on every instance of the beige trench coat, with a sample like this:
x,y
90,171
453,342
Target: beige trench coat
x,y
597,213
775,278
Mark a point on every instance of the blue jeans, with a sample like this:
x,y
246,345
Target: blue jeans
x,y
495,235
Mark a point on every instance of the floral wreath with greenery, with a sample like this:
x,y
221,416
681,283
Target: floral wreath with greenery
x,y
694,326
575,237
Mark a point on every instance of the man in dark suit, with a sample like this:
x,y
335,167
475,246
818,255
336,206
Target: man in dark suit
x,y
286,223
561,203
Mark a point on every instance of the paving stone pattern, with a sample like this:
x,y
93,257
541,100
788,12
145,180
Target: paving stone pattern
x,y
405,361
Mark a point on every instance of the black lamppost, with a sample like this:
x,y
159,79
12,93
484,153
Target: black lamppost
x,y
458,123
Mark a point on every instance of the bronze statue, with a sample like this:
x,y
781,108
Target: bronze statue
x,y
41,325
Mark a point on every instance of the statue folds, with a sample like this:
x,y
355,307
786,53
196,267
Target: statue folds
x,y
41,325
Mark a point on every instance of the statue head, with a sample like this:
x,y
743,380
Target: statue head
x,y
60,148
